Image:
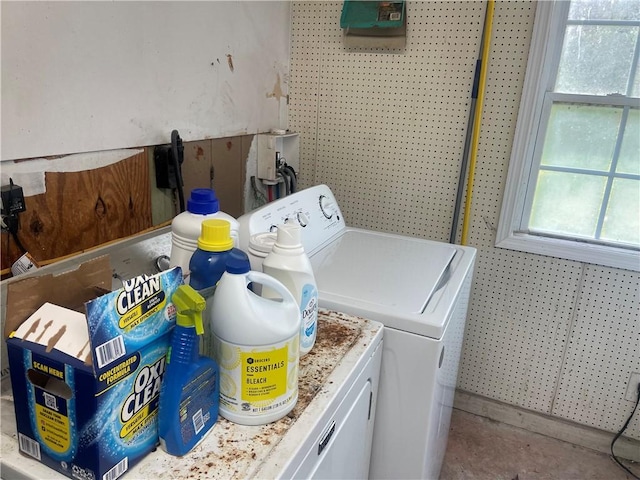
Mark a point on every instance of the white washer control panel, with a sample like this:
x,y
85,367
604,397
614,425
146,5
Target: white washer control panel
x,y
315,209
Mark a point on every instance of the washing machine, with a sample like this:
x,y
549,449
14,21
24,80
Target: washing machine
x,y
418,289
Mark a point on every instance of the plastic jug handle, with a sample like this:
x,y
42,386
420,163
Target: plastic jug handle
x,y
269,281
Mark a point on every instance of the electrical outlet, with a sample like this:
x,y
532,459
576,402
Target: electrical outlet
x,y
12,199
632,387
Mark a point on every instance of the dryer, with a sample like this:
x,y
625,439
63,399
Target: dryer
x,y
419,290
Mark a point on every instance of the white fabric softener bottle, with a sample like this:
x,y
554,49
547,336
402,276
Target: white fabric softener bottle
x,y
289,264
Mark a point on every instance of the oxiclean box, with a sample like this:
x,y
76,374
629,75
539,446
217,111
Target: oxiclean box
x,y
86,367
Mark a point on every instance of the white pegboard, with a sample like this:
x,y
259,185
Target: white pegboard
x,y
402,114
307,31
517,327
385,130
389,124
512,28
604,348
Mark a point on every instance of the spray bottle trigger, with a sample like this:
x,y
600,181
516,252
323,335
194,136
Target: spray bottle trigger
x,y
189,305
197,323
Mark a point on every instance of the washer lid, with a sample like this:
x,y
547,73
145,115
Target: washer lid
x,y
386,271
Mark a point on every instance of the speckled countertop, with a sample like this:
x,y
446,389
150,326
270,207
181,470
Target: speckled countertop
x,y
238,451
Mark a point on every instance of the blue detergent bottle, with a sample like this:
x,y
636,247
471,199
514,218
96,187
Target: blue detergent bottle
x,y
190,391
207,265
208,262
186,227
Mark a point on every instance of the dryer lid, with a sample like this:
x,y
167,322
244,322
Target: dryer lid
x,y
389,271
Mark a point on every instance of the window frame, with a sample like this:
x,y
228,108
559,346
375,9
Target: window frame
x,y
542,65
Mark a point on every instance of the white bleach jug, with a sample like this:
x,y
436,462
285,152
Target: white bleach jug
x,y
256,345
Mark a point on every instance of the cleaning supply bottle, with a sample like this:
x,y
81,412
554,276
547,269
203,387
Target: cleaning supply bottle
x,y
185,228
207,265
190,391
208,261
289,263
260,245
256,345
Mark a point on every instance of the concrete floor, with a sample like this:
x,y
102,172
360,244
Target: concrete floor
x,y
483,449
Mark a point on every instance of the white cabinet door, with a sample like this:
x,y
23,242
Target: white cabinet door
x,y
345,445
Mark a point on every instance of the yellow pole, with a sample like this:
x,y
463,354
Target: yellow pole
x,y
486,42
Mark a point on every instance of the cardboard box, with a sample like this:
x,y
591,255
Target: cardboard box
x,y
86,385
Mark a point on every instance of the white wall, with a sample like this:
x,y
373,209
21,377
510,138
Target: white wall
x,y
386,131
89,76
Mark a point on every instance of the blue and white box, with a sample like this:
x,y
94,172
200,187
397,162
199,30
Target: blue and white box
x,y
86,385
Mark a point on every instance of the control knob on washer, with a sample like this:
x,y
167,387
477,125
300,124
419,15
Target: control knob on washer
x,y
303,220
327,207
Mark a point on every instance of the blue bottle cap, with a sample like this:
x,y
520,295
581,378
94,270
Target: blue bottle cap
x,y
203,201
238,262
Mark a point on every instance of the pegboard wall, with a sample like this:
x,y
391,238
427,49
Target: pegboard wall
x,y
518,334
390,125
385,130
603,348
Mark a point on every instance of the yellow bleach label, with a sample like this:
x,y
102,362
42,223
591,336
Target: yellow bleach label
x,y
257,381
264,374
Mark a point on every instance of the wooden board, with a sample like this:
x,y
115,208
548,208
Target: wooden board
x,y
83,209
197,168
228,173
217,164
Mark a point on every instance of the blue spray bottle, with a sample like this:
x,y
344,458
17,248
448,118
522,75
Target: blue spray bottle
x,y
189,396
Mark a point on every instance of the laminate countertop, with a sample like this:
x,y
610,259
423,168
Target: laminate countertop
x,y
236,451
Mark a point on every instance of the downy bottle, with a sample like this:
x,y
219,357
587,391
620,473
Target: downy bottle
x,y
190,391
289,264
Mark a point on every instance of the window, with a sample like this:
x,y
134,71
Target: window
x,y
573,189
